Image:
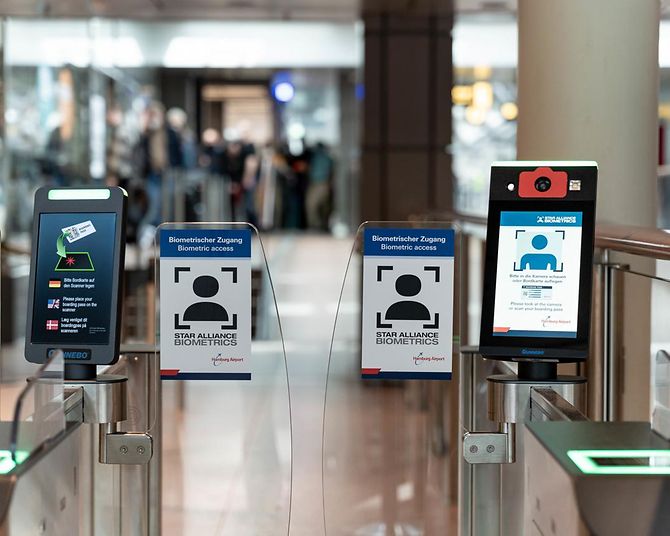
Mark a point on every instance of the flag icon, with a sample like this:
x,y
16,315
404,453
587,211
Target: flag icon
x,y
52,325
53,304
54,283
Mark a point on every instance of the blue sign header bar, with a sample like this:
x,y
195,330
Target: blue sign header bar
x,y
408,242
541,219
234,243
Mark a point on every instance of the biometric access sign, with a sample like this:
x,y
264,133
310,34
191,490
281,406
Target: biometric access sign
x,y
205,304
408,291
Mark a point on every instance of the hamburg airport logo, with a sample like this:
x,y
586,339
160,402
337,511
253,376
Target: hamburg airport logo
x,y
422,359
548,321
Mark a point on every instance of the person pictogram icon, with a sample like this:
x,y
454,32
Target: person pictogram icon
x,y
536,260
205,286
408,285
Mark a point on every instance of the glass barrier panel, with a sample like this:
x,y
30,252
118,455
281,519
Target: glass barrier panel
x,y
227,450
634,349
39,414
660,350
14,369
385,463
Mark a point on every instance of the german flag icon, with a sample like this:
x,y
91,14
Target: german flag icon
x,y
54,283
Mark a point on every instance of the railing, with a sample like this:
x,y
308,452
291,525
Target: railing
x,y
653,243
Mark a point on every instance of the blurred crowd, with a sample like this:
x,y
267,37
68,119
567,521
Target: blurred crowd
x,y
170,174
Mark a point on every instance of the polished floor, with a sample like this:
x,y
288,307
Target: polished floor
x,y
227,445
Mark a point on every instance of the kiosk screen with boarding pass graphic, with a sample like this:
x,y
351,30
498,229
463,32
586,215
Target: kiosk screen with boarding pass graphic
x,y
74,278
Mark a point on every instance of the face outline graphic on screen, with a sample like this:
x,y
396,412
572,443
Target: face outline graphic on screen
x,y
537,260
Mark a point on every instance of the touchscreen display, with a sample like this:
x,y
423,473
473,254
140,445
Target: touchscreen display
x,y
537,278
74,278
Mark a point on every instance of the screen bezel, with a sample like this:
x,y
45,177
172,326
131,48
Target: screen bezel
x,y
553,349
100,354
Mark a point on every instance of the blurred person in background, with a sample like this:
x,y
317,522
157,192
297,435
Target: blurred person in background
x,y
55,159
214,196
318,199
298,158
288,187
240,165
120,169
152,158
182,157
176,122
211,152
284,181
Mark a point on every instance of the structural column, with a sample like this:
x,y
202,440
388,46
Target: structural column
x,y
407,111
588,89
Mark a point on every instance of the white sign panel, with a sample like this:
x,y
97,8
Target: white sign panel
x,y
408,297
205,304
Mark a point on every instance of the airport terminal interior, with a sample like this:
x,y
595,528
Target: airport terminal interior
x,y
334,267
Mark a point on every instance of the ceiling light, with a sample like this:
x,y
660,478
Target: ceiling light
x,y
509,110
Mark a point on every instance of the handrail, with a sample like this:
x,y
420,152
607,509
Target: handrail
x,y
470,218
553,406
643,241
14,249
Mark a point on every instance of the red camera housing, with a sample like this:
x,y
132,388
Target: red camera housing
x,y
557,189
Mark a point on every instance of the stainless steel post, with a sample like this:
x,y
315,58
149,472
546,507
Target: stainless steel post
x,y
479,485
154,405
179,179
509,404
167,181
595,366
140,485
603,368
612,296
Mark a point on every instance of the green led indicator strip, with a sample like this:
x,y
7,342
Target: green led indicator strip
x,y
7,464
584,460
75,194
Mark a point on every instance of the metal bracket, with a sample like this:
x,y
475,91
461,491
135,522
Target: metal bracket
x,y
104,399
490,447
126,448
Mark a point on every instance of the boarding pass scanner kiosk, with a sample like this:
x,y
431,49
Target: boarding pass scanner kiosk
x,y
535,315
559,473
73,323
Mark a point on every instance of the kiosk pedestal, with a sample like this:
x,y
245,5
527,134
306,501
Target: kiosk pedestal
x,y
105,402
509,406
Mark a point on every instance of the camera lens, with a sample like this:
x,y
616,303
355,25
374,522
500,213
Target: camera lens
x,y
542,184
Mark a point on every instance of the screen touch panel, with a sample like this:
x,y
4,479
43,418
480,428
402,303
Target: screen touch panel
x,y
537,276
74,277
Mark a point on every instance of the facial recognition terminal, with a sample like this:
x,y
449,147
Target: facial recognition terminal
x,y
74,297
539,252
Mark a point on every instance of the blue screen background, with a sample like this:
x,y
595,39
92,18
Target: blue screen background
x,y
100,246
